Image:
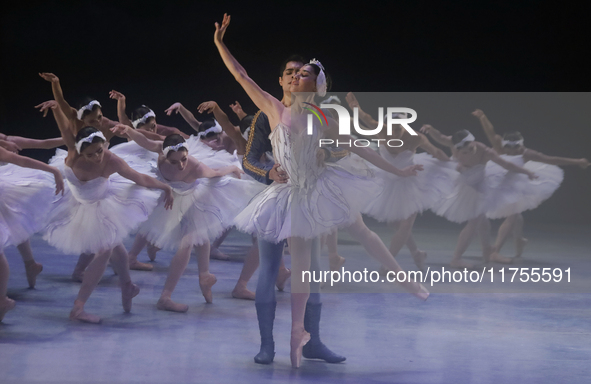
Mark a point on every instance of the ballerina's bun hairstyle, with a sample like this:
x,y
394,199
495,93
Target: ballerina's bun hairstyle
x,y
85,102
86,132
175,141
296,58
140,112
512,136
459,136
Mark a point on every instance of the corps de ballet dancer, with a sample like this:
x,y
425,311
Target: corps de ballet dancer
x,y
25,200
523,194
473,194
308,199
99,210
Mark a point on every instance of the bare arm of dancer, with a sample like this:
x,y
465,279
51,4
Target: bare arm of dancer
x,y
365,117
554,160
267,103
9,145
237,109
437,136
58,95
203,170
493,156
369,154
495,140
121,105
164,130
139,138
231,130
58,115
186,114
431,149
27,162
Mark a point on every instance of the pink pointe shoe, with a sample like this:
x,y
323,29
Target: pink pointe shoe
x,y
33,269
205,283
6,306
298,340
282,276
128,291
78,313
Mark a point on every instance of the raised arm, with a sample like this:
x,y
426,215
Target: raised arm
x,y
267,103
27,162
437,136
139,138
237,109
58,114
495,140
186,114
231,130
121,105
431,149
493,156
554,160
58,95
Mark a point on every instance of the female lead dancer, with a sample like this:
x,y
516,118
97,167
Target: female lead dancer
x,y
23,210
99,211
271,212
526,194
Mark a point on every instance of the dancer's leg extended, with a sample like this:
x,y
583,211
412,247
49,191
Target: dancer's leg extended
x,y
206,279
92,275
178,264
251,263
138,244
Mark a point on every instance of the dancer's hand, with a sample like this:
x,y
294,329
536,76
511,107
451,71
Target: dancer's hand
x,y
10,146
278,174
116,95
411,171
59,182
426,129
176,108
120,129
237,172
207,107
218,36
236,107
583,163
49,77
46,106
478,113
352,100
531,175
168,198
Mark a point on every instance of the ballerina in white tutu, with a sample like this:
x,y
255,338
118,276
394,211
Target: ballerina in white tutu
x,y
99,210
474,193
25,199
404,197
203,210
316,199
521,194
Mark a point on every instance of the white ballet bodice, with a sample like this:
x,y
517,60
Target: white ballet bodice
x,y
474,176
86,192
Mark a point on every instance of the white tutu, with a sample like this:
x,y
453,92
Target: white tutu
x,y
201,211
97,215
137,157
25,199
315,200
473,195
517,193
401,197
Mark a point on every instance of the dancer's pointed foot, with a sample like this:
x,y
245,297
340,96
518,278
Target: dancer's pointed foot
x,y
139,266
519,245
5,306
495,257
241,292
33,269
215,253
166,304
128,291
417,289
282,276
299,338
335,262
419,258
152,250
461,264
78,313
206,281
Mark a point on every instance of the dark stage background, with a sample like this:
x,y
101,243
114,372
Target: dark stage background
x,y
157,53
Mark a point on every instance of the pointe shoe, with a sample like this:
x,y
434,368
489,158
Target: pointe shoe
x,y
152,250
282,277
215,253
128,292
8,305
461,264
168,305
419,258
241,292
33,269
336,262
138,266
205,283
298,340
78,313
495,257
417,289
519,245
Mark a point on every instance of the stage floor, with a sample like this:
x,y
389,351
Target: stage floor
x,y
464,333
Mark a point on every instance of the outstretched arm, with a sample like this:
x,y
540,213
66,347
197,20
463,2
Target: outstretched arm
x,y
139,138
495,140
437,136
26,143
186,114
58,114
554,160
267,103
204,171
58,95
231,130
164,130
27,162
493,156
121,105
